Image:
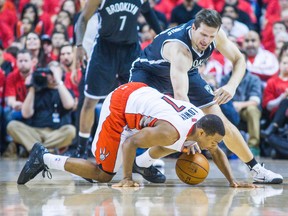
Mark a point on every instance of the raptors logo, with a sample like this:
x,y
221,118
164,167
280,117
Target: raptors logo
x,y
103,154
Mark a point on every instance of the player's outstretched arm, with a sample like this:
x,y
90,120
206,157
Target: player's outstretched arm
x,y
162,134
231,52
222,163
180,62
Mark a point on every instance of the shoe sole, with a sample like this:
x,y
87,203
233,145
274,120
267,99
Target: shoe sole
x,y
274,181
22,180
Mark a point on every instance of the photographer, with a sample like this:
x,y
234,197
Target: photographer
x,y
46,110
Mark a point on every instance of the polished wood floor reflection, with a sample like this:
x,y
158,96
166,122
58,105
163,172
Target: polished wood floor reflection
x,y
69,195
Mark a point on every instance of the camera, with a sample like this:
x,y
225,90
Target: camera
x,y
39,78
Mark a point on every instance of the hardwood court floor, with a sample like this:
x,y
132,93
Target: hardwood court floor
x,y
70,195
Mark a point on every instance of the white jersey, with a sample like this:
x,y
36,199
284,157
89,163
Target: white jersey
x,y
151,105
132,107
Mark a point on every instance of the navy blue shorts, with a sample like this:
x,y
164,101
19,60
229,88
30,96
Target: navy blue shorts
x,y
200,93
108,67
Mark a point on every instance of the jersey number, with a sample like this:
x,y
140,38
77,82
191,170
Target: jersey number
x,y
123,18
178,109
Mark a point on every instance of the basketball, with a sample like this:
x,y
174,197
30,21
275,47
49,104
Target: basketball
x,y
192,169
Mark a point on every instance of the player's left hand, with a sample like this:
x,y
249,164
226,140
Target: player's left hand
x,y
224,94
243,185
126,183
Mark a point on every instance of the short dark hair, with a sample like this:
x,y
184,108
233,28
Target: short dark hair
x,y
24,51
209,17
211,124
66,44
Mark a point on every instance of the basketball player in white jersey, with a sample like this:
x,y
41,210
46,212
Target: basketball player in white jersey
x,y
137,116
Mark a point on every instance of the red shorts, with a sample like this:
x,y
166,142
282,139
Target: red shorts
x,y
111,132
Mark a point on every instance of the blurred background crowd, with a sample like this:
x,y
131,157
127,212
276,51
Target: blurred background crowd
x,y
37,42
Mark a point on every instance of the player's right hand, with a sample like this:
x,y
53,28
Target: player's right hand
x,y
81,56
224,94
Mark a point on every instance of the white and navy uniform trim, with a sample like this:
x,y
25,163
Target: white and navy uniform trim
x,y
115,48
153,69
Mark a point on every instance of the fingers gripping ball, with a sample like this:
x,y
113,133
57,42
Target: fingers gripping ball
x,y
192,169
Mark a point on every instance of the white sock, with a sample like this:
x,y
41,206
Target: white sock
x,y
145,160
55,161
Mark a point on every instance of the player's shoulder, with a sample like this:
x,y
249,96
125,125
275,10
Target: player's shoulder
x,y
220,37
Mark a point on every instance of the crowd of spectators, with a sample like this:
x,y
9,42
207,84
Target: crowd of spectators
x,y
36,34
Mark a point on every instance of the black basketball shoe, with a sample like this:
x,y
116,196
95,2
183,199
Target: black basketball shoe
x,y
151,173
34,165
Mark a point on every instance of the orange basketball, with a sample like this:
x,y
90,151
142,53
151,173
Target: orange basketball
x,y
192,169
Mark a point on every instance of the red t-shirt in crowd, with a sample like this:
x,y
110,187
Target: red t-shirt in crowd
x,y
272,15
50,6
275,87
145,44
6,34
242,5
166,7
15,86
69,85
48,25
8,16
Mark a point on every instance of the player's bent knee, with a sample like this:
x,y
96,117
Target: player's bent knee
x,y
104,177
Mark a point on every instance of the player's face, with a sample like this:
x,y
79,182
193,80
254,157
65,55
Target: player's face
x,y
209,142
203,36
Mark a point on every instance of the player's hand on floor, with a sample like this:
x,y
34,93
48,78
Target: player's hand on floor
x,y
243,185
224,94
126,183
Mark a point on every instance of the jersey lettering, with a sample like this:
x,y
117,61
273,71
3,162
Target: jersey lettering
x,y
178,109
123,18
123,6
189,113
197,63
174,30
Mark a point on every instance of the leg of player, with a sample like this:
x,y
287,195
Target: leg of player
x,y
235,142
87,116
40,160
